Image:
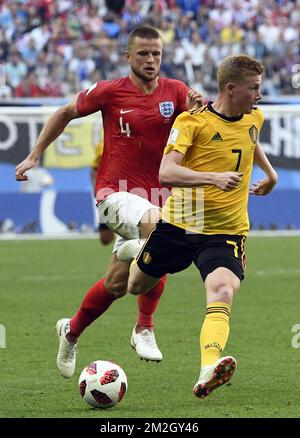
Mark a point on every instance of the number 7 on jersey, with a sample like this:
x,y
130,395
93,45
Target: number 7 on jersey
x,y
239,152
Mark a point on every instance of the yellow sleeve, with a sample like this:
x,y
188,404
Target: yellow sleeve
x,y
182,134
98,155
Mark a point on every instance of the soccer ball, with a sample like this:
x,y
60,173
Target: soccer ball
x,y
102,384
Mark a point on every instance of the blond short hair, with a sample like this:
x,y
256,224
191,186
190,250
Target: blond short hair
x,y
236,68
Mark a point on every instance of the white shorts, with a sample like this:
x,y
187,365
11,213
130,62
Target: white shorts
x,y
122,213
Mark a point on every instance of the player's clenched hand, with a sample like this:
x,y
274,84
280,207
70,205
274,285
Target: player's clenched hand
x,y
193,100
21,168
227,181
264,187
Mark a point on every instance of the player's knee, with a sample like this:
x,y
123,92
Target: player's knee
x,y
135,288
222,285
224,294
226,290
116,287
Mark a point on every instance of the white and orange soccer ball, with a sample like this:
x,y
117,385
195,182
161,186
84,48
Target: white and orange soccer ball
x,y
102,384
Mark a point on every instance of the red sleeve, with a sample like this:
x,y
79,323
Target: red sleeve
x,y
93,99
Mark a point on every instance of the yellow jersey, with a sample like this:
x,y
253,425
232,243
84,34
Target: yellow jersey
x,y
211,142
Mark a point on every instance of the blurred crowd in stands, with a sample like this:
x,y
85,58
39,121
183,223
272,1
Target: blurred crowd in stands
x,y
57,47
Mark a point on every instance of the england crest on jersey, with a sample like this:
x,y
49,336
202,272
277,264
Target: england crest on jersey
x,y
166,109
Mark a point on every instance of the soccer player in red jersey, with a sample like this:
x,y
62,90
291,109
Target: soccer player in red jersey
x,y
137,112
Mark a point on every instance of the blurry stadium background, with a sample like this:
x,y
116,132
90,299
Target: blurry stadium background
x,y
49,50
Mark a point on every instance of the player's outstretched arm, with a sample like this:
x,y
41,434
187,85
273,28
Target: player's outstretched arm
x,y
172,173
262,188
51,130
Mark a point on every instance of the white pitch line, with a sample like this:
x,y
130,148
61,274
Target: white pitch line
x,y
94,236
277,272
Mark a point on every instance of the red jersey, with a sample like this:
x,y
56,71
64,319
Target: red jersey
x,y
136,129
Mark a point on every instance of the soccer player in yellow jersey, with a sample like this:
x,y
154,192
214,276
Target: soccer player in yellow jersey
x,y
208,161
106,236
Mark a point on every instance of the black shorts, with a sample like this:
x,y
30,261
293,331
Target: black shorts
x,y
170,249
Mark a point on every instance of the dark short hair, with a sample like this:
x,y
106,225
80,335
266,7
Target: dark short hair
x,y
147,32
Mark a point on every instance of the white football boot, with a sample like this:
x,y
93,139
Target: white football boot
x,y
130,249
145,345
214,376
66,356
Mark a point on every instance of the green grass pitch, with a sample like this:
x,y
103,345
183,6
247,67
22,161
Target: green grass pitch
x,y
42,281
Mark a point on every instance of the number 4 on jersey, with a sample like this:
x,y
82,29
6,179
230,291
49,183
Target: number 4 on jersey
x,y
125,130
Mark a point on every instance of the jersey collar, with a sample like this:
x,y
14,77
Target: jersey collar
x,y
229,119
138,90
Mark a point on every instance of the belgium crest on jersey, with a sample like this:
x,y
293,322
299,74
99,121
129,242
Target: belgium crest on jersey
x,y
253,131
166,109
147,258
